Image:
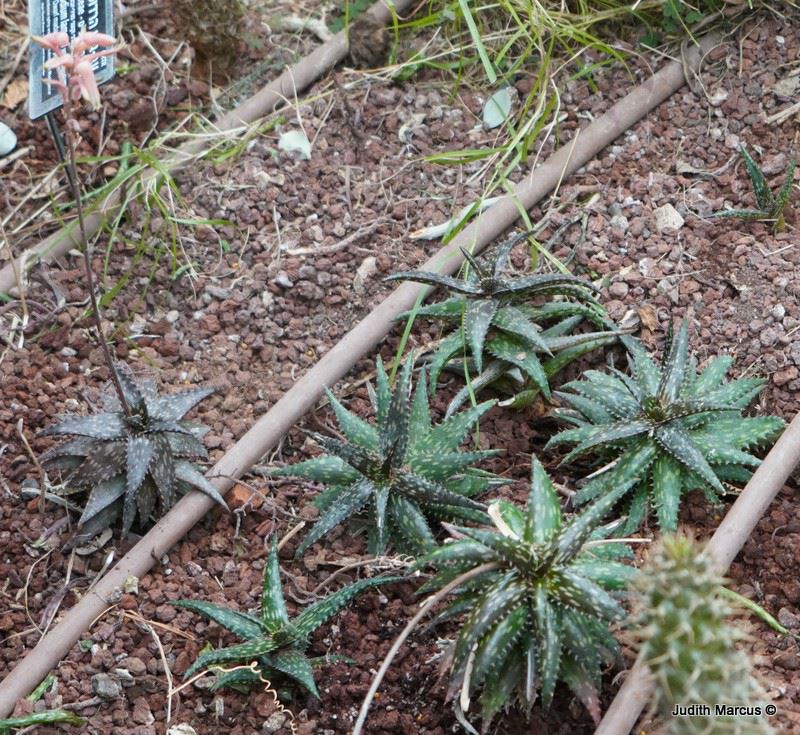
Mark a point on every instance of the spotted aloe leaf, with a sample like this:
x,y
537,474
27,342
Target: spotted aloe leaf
x,y
495,321
275,642
399,474
131,465
666,429
540,612
770,206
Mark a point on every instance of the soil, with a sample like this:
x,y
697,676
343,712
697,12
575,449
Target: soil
x,y
248,305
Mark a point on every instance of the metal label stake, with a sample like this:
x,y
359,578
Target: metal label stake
x,y
70,17
58,140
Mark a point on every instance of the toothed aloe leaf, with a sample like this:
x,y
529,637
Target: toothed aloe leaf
x,y
544,510
97,426
434,279
318,613
393,438
186,445
548,621
354,428
327,469
546,585
247,652
273,606
477,319
295,664
103,494
664,430
515,352
349,501
512,320
764,196
240,624
191,475
174,407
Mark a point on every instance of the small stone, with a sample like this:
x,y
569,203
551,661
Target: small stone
x,y
165,613
182,729
173,316
619,221
768,337
618,289
787,660
105,687
777,312
782,377
788,619
141,712
365,271
8,140
283,280
274,722
135,665
267,298
67,352
218,292
667,218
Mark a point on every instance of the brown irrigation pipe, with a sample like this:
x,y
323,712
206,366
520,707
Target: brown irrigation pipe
x,y
295,79
363,338
723,547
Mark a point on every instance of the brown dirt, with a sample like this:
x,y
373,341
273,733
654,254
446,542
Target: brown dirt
x,y
300,264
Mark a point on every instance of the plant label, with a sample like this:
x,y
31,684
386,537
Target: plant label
x,y
71,17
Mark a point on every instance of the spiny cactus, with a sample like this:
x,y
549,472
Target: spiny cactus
x,y
541,613
131,464
668,428
402,471
690,646
276,643
504,331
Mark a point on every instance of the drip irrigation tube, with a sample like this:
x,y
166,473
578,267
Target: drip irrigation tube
x,y
363,338
723,547
295,79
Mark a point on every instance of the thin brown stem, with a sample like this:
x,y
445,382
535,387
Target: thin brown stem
x,y
87,257
423,611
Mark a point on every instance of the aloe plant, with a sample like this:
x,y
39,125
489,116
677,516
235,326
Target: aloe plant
x,y
770,206
690,646
503,331
131,463
668,427
540,613
400,473
273,641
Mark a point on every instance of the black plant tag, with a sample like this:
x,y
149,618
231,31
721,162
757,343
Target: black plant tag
x,y
71,17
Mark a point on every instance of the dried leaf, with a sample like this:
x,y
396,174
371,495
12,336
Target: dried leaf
x,y
16,92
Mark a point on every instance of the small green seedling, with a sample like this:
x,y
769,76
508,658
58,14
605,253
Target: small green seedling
x,y
276,643
770,206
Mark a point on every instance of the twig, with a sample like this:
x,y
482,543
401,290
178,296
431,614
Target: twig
x,y
42,475
423,611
